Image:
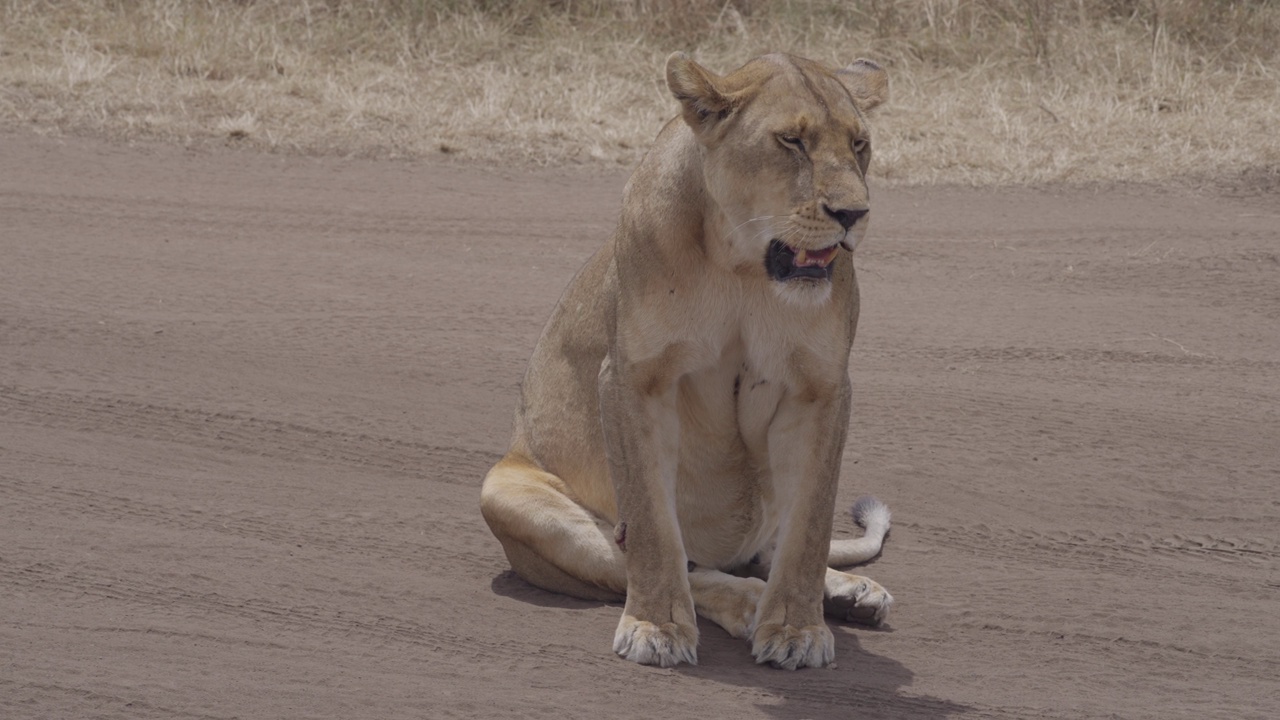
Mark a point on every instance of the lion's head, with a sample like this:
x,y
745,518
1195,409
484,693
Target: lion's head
x,y
785,148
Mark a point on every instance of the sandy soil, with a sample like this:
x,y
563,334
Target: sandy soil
x,y
246,402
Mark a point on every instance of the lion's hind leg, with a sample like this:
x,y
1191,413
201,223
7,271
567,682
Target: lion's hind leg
x,y
551,541
726,600
854,598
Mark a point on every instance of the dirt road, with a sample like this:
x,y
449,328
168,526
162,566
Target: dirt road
x,y
246,402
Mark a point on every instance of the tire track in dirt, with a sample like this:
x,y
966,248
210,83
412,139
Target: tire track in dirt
x,y
1245,279
1232,571
1126,552
1064,355
1082,411
247,435
23,694
1064,424
1126,650
152,631
333,538
185,217
314,620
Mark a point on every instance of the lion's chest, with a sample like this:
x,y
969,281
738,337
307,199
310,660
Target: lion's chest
x,y
726,499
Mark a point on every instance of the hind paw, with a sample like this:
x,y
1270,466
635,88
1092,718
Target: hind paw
x,y
854,598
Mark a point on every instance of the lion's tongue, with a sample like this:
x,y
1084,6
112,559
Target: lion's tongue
x,y
815,258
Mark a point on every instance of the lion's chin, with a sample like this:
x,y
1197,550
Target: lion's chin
x,y
804,293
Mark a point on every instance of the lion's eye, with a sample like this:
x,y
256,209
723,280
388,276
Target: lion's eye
x,y
792,140
860,145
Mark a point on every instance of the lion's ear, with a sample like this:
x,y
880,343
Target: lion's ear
x,y
698,90
867,82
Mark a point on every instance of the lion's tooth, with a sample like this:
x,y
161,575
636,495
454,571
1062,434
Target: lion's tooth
x,y
802,258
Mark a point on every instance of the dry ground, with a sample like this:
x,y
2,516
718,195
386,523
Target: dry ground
x,y
246,402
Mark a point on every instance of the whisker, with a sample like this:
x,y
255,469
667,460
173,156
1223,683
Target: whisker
x,y
746,222
791,230
763,233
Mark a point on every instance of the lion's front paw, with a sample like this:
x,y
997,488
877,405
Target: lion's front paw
x,y
856,599
789,647
664,645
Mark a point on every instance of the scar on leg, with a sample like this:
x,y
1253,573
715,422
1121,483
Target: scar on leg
x,y
620,536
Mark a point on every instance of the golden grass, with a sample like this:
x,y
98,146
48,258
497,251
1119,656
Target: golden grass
x,y
985,91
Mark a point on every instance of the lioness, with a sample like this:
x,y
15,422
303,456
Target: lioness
x,y
700,361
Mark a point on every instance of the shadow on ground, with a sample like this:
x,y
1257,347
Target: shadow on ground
x,y
861,683
509,584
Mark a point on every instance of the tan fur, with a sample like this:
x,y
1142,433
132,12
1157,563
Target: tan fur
x,y
688,407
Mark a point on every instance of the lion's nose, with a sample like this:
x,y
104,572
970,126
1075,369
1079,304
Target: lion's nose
x,y
845,217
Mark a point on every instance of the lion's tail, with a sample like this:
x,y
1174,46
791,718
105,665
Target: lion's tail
x,y
873,516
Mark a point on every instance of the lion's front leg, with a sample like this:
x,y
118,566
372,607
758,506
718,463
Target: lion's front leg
x,y
641,427
805,441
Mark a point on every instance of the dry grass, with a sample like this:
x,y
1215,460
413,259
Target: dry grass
x,y
985,91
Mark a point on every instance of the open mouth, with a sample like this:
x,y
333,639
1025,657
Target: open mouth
x,y
785,263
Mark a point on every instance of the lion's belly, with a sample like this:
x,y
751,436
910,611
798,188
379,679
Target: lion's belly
x,y
725,498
